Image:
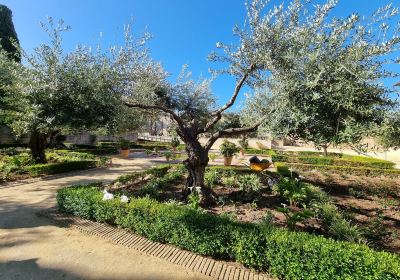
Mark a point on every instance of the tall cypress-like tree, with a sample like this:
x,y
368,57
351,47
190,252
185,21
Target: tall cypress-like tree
x,y
8,36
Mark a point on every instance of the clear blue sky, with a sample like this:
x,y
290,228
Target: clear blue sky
x,y
185,31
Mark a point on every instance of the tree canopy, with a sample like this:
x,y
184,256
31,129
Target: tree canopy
x,y
328,88
56,90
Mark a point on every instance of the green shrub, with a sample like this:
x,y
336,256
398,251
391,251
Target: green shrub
x,y
280,158
283,169
342,160
229,181
82,202
249,183
168,155
269,152
159,170
194,201
357,171
292,218
316,160
228,149
294,191
211,178
336,225
288,255
54,168
175,142
149,190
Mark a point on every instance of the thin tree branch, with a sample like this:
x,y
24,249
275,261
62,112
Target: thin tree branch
x,y
230,132
157,107
218,114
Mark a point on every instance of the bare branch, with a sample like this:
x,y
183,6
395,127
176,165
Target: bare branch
x,y
157,107
231,132
218,114
238,87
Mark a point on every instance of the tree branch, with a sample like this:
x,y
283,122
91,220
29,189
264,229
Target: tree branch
x,y
157,107
231,132
218,114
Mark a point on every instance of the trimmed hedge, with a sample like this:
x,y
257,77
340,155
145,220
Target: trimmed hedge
x,y
287,255
358,171
62,167
346,160
260,152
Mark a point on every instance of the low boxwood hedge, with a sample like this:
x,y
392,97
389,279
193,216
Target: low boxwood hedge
x,y
54,168
287,255
253,151
346,160
358,171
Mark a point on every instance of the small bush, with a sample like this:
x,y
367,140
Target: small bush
x,y
336,225
211,178
62,167
159,171
294,191
260,151
357,171
249,183
288,255
229,181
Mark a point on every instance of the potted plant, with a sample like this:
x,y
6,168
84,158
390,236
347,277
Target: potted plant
x,y
167,155
124,146
228,150
175,143
244,144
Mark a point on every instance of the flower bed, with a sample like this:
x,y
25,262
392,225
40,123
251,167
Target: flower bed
x,y
287,255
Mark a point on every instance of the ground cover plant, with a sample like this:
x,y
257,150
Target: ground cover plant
x,y
290,228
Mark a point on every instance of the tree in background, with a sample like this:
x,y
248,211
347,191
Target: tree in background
x,y
388,134
8,37
329,91
57,90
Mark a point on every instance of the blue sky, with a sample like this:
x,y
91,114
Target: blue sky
x,y
185,31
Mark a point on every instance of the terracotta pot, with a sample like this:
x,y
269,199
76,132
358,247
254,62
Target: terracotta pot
x,y
227,161
125,153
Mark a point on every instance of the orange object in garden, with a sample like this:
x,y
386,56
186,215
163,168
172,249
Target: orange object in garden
x,y
261,166
125,153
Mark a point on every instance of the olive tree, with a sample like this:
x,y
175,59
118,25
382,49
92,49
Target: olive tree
x,y
264,42
330,91
55,90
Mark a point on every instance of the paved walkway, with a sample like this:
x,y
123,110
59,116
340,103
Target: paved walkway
x,y
31,247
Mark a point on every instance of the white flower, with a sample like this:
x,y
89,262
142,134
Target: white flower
x,y
107,196
284,205
124,199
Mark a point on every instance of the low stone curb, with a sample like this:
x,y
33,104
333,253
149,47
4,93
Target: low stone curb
x,y
207,266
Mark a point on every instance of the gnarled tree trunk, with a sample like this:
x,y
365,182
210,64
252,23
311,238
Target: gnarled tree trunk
x,y
196,164
37,144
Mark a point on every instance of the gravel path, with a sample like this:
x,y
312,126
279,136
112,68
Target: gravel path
x,y
31,247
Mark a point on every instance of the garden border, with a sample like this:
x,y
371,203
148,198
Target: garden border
x,y
207,266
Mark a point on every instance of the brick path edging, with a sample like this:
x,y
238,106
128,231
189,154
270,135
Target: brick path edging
x,y
215,269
